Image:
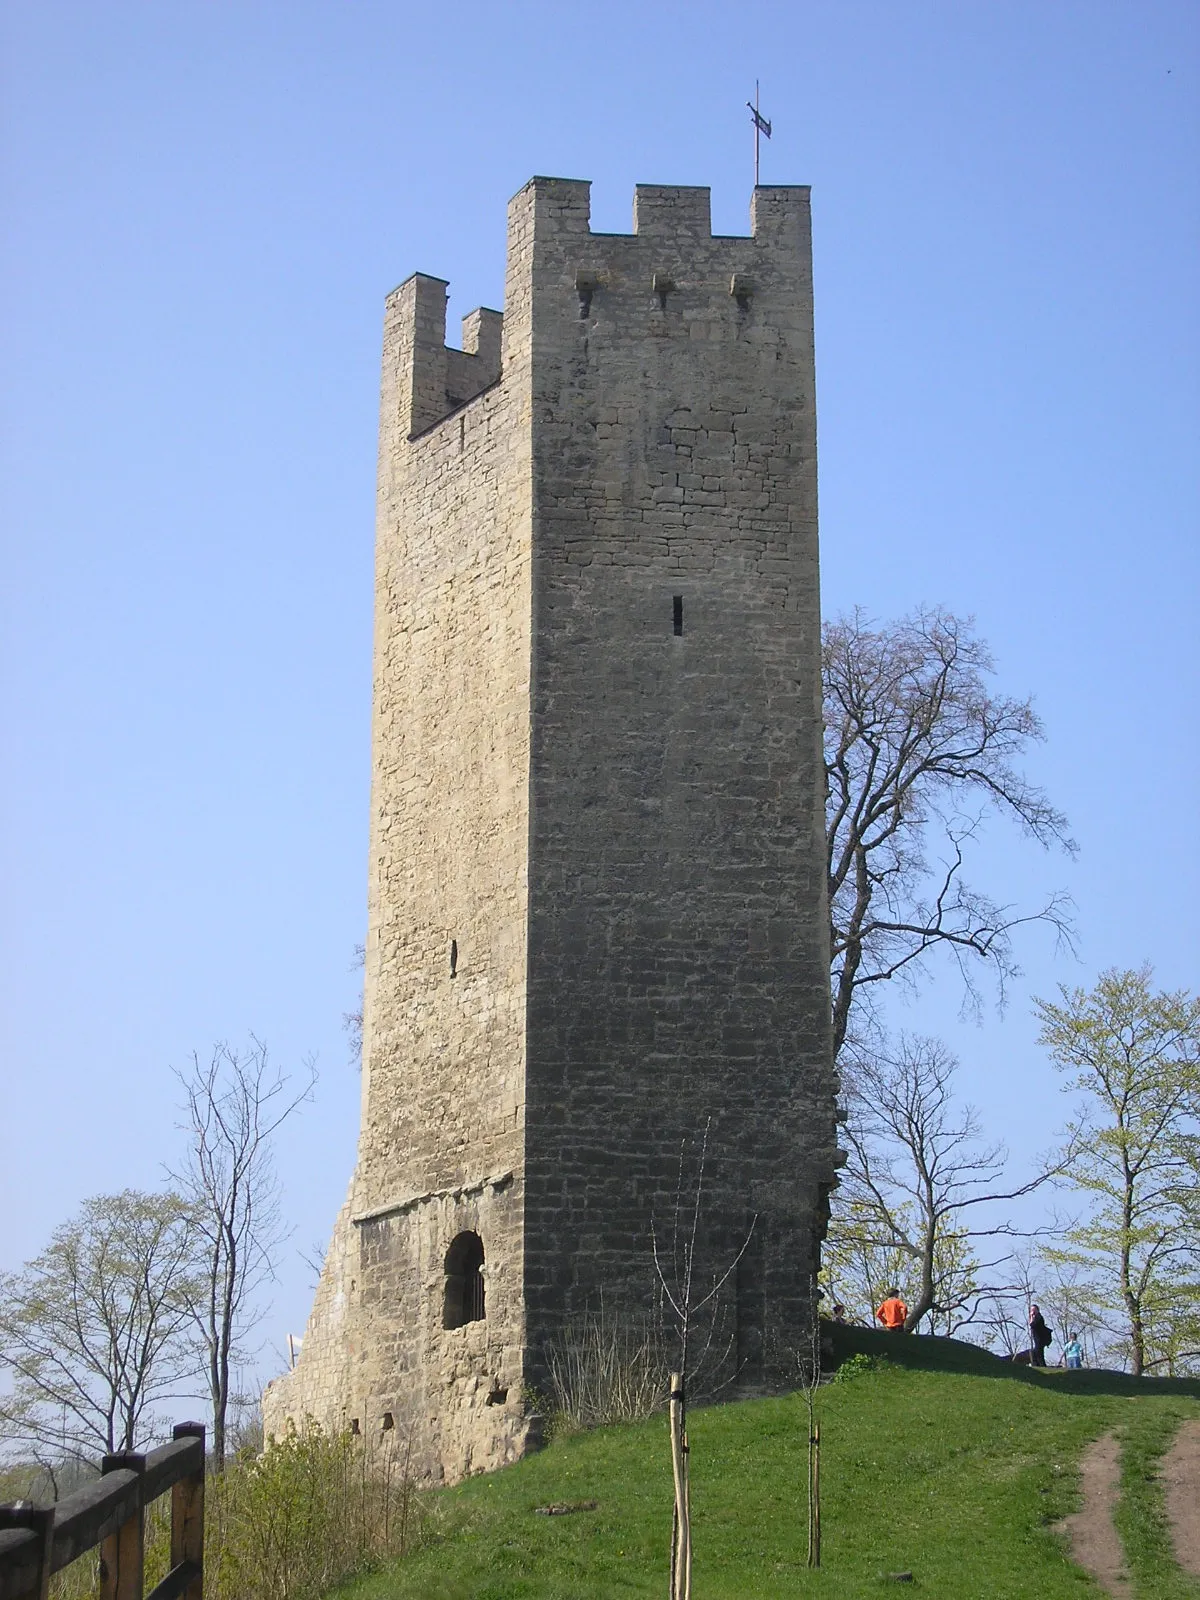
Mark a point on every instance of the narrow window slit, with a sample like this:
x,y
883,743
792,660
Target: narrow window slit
x,y
677,609
454,958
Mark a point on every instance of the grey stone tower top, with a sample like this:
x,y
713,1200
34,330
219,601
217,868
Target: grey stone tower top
x,y
596,908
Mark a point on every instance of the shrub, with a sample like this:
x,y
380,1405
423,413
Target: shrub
x,y
603,1371
857,1366
312,1510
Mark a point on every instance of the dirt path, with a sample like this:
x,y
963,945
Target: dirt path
x,y
1095,1543
1181,1485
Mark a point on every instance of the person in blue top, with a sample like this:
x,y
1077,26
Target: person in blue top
x,y
1073,1351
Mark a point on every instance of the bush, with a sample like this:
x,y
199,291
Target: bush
x,y
312,1510
603,1372
857,1367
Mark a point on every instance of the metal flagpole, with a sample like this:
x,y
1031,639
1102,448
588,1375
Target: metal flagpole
x,y
761,125
757,121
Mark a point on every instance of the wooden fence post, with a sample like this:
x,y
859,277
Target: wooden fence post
x,y
122,1554
40,1520
187,1515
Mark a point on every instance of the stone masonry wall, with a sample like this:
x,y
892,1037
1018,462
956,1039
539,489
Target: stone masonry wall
x,y
319,1385
441,1142
596,905
678,946
441,1147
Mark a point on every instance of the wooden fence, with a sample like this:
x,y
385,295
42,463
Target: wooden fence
x,y
36,1541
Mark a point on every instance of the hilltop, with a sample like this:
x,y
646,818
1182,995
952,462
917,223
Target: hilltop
x,y
937,1459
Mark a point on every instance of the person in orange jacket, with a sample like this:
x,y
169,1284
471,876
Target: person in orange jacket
x,y
893,1312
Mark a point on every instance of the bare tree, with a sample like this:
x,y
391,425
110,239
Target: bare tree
x,y
691,1294
93,1330
918,752
918,1175
235,1103
314,1259
1003,1312
693,1298
861,1262
352,1021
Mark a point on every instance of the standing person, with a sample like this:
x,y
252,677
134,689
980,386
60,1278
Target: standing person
x,y
893,1313
839,1316
1073,1351
1039,1336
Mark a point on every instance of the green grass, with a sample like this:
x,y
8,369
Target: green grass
x,y
943,1462
1141,1516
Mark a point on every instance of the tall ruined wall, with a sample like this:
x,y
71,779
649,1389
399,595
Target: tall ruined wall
x,y
445,961
441,1147
678,946
441,1142
319,1386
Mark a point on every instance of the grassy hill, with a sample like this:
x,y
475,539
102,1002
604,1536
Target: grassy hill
x,y
942,1462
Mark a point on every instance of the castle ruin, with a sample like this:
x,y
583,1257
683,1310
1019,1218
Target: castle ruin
x,y
597,914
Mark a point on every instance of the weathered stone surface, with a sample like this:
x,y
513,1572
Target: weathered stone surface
x,y
597,910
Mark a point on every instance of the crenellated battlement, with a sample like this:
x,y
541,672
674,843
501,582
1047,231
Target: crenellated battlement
x,y
551,247
779,214
432,379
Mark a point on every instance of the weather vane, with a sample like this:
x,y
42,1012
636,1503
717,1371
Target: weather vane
x,y
761,125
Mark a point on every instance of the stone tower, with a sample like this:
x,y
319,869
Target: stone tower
x,y
597,882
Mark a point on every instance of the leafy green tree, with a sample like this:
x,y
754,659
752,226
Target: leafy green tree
x,y
1134,1054
94,1332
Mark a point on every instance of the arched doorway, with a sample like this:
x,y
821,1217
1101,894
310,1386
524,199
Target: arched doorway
x,y
464,1281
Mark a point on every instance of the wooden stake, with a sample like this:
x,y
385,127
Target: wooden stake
x,y
674,1549
687,1516
814,1496
672,1588
681,1562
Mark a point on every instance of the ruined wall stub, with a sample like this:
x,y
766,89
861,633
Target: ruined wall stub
x,y
597,913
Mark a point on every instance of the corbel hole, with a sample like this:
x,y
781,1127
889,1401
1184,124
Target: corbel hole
x,y
585,282
388,1423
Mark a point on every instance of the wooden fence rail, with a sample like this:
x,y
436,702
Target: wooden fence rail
x,y
36,1541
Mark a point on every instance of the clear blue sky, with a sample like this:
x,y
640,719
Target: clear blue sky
x,y
207,204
